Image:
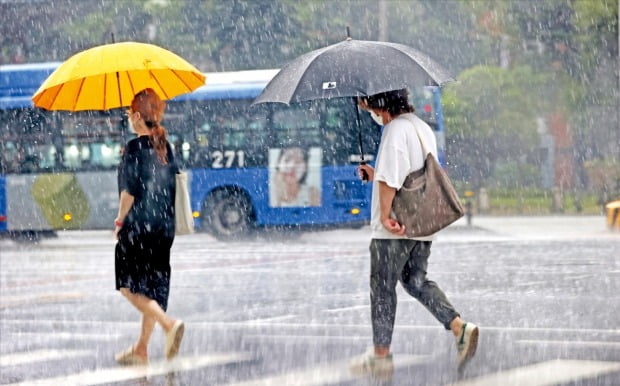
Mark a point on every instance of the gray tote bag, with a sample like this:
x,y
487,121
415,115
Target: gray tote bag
x,y
427,201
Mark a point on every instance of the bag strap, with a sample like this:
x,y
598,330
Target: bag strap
x,y
425,148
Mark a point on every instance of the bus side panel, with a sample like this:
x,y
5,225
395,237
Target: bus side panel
x,y
61,201
3,214
341,192
252,181
23,213
101,191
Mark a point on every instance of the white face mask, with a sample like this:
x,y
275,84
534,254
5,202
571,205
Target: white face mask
x,y
377,118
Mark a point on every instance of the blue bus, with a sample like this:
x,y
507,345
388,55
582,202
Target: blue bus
x,y
249,166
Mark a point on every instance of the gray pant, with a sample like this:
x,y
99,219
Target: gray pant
x,y
407,261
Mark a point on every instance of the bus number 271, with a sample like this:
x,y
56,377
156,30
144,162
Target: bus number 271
x,y
227,158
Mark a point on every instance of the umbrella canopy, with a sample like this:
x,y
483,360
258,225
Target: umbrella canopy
x,y
108,77
352,68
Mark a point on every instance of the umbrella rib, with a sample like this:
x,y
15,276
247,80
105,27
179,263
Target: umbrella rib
x,y
56,95
200,77
77,96
159,84
133,92
181,79
420,62
298,83
105,89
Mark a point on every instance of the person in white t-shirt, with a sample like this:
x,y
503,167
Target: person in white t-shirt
x,y
393,256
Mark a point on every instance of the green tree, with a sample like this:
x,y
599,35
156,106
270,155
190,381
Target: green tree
x,y
489,120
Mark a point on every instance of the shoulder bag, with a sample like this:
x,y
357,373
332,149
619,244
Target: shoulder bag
x,y
183,219
427,201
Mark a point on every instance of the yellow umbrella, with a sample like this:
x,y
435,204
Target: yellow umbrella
x,y
108,76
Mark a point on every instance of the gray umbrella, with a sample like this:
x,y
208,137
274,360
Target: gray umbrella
x,y
352,68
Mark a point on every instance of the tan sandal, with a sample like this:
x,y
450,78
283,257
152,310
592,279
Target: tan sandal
x,y
173,339
130,358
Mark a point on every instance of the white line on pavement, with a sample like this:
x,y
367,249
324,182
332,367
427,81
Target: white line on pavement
x,y
13,301
267,320
119,374
545,373
243,324
327,374
364,306
53,336
572,343
318,339
40,356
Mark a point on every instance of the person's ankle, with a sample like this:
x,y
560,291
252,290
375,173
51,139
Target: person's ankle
x,y
140,351
456,326
382,352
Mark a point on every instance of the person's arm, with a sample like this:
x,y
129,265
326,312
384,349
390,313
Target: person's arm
x,y
386,196
124,205
128,182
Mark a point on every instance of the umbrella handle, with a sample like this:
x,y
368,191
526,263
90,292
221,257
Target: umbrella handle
x,y
363,173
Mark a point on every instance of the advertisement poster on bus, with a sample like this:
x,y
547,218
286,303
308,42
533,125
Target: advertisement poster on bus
x,y
295,177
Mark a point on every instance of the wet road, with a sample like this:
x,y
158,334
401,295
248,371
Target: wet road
x,y
294,309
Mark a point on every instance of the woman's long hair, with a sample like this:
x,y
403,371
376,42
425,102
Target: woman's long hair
x,y
151,109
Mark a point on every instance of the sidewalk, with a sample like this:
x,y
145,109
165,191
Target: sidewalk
x,y
539,227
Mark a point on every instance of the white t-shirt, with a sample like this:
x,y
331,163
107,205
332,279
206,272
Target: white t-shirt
x,y
400,153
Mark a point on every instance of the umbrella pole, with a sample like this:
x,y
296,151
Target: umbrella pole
x,y
359,137
120,98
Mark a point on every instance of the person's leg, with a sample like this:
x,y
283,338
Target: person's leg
x,y
149,309
141,346
383,280
413,279
427,292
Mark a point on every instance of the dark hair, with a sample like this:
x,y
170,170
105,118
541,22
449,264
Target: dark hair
x,y
304,155
395,102
151,109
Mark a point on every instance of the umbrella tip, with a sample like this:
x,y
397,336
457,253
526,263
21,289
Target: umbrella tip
x,y
348,33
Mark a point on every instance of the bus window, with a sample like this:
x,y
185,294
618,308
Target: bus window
x,y
219,134
89,140
296,125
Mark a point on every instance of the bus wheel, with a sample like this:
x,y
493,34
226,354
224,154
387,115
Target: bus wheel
x,y
228,214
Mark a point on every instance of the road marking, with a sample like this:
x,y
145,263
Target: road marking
x,y
53,336
364,306
15,301
40,356
328,374
267,320
545,373
587,343
317,339
243,324
120,374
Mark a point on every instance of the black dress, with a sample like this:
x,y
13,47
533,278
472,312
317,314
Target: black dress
x,y
142,255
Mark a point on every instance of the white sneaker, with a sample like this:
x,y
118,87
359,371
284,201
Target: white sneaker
x,y
466,344
371,365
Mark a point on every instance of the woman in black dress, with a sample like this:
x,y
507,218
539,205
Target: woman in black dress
x,y
145,226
